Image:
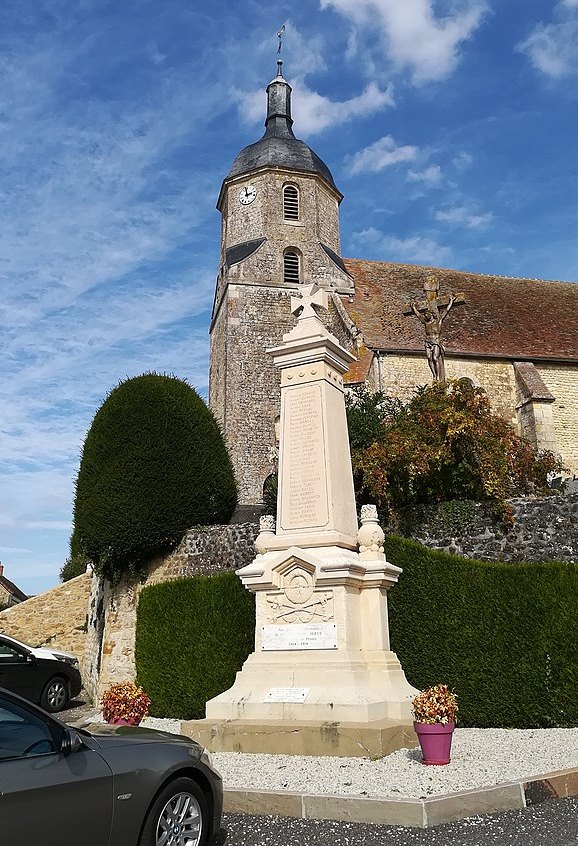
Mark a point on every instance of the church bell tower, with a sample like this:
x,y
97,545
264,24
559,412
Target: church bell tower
x,y
280,228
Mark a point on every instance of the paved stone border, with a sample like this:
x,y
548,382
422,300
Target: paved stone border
x,y
421,813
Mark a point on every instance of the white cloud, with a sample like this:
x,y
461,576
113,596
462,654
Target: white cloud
x,y
462,216
431,175
416,249
381,154
312,112
414,37
551,47
463,160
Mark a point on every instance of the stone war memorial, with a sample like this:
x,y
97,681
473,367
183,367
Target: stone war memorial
x,y
322,679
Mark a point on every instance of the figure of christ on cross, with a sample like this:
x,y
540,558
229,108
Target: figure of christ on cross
x,y
432,314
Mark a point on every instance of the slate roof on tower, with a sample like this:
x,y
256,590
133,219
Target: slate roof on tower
x,y
502,317
279,147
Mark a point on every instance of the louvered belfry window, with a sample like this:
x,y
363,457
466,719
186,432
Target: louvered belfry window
x,y
290,203
291,267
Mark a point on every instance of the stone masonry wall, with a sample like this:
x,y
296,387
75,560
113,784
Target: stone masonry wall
x,y
263,218
398,375
542,529
55,619
207,551
561,380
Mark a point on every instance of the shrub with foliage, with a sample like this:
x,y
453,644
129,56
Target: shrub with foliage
x,y
445,444
192,636
125,701
504,637
154,464
74,566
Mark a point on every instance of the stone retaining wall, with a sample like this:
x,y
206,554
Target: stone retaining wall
x,y
542,529
55,619
112,616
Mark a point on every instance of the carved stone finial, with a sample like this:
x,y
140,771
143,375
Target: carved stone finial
x,y
370,536
266,533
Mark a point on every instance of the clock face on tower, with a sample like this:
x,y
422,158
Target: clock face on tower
x,y
247,195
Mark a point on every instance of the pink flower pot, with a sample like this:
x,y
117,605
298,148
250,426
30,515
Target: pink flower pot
x,y
435,740
120,721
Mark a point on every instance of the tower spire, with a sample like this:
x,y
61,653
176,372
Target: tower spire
x,y
278,121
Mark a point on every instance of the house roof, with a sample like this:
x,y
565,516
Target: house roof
x,y
359,369
501,317
12,589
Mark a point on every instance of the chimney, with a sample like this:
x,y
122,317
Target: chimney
x,y
1,569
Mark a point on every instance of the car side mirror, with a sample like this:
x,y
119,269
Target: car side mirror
x,y
30,659
71,742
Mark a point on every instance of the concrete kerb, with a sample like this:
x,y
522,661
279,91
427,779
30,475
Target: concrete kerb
x,y
421,813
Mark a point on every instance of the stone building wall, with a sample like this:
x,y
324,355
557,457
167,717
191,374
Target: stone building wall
x,y
561,380
244,384
56,619
252,309
398,375
245,392
263,218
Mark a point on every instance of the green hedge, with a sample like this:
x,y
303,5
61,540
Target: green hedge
x,y
192,636
504,636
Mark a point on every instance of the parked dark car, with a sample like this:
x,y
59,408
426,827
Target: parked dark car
x,y
39,675
112,786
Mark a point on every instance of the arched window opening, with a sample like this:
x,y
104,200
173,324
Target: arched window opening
x,y
290,202
291,269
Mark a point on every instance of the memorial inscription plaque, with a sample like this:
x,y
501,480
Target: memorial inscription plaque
x,y
298,636
304,501
287,694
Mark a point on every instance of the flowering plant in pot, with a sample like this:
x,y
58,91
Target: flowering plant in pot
x,y
435,710
125,703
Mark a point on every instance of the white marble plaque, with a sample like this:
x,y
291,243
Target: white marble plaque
x,y
287,694
298,636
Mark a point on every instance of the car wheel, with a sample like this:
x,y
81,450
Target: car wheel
x,y
178,816
55,695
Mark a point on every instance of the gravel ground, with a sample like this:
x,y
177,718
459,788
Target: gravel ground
x,y
480,758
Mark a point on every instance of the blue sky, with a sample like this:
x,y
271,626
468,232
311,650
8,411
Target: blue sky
x,y
450,126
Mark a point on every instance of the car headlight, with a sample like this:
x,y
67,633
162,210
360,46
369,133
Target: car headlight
x,y
73,662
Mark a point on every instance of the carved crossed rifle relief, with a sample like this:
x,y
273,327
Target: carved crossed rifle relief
x,y
299,602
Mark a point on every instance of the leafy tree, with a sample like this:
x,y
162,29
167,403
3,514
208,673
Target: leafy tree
x,y
154,463
445,444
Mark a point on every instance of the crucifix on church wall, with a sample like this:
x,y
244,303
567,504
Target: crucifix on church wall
x,y
431,312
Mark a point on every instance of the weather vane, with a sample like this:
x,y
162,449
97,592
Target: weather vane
x,y
280,37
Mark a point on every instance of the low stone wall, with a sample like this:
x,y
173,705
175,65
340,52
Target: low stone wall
x,y
112,615
56,618
541,529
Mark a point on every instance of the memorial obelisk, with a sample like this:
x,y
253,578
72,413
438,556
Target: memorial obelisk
x,y
322,679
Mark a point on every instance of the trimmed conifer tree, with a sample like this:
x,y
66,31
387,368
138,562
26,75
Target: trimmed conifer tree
x,y
154,464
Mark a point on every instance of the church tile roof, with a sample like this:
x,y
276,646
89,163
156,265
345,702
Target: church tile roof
x,y
501,317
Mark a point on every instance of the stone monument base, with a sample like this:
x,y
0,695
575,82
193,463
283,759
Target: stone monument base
x,y
298,737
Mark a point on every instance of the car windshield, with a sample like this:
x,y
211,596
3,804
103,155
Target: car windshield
x,y
17,642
